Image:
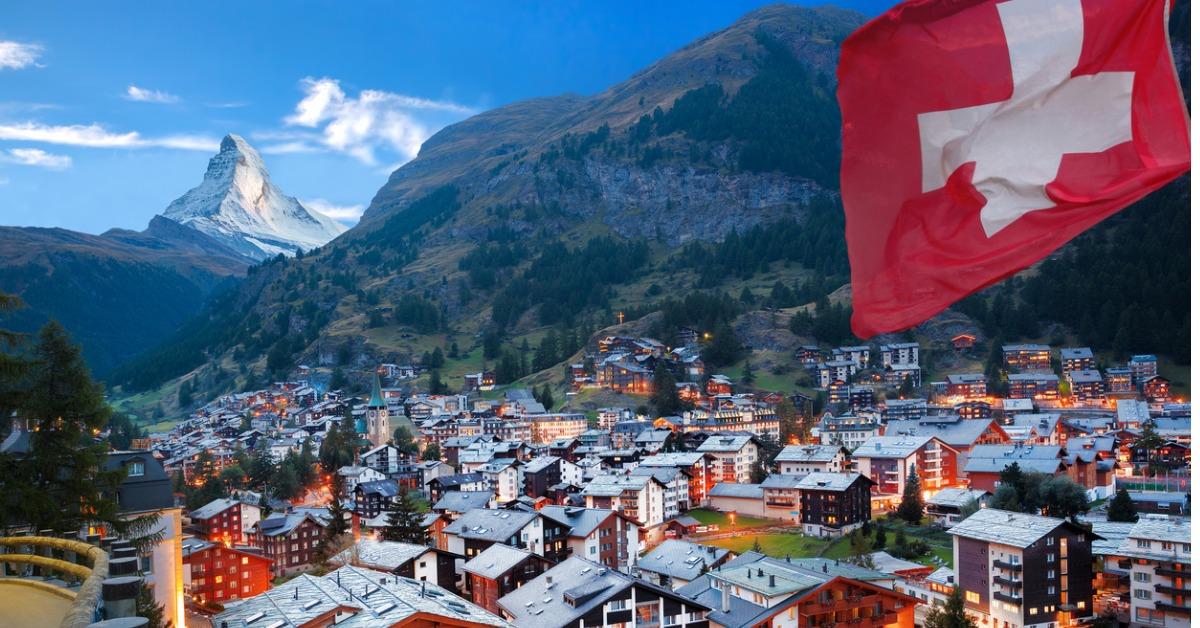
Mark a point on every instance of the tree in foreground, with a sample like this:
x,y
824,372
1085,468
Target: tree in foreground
x,y
1121,508
404,522
952,614
911,507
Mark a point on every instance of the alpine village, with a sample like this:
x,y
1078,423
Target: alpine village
x,y
586,361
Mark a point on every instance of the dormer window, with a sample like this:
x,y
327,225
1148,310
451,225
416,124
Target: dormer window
x,y
135,468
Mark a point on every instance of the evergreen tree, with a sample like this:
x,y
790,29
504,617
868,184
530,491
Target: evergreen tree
x,y
880,538
436,386
860,550
404,441
757,547
1121,508
149,609
404,522
432,452
789,427
953,614
62,483
911,507
665,398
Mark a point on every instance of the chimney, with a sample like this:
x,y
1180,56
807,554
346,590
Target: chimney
x,y
771,582
725,598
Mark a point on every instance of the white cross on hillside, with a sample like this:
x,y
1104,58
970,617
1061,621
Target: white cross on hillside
x,y
1018,144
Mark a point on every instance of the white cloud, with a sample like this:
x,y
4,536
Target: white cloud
x,y
16,55
96,136
37,157
374,120
348,214
141,94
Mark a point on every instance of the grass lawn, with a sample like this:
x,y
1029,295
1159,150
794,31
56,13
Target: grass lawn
x,y
712,517
778,545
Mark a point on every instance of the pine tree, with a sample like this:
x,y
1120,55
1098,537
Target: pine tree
x,y
1121,508
757,547
860,550
150,609
62,483
952,614
665,397
789,428
880,538
432,452
404,522
911,507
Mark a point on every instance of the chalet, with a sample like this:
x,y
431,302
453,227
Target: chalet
x,y
1027,357
1040,386
625,376
599,534
966,385
802,459
808,355
676,485
959,433
373,498
946,506
432,469
974,409
718,385
476,530
215,572
753,590
1017,569
1157,551
548,428
290,540
830,504
352,476
503,477
579,592
498,571
963,342
564,448
734,498
483,380
1046,428
674,563
1156,389
418,562
894,409
836,371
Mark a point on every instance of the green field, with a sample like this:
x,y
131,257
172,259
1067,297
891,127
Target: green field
x,y
712,517
784,544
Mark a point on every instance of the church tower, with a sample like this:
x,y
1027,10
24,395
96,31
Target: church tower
x,y
378,422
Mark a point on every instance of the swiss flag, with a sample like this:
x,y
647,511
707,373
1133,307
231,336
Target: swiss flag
x,y
979,136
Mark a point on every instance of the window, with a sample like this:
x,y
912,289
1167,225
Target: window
x,y
1141,594
245,560
1050,590
971,597
1143,543
136,468
1167,546
1049,558
1141,576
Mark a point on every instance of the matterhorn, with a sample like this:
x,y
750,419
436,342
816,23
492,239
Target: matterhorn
x,y
238,206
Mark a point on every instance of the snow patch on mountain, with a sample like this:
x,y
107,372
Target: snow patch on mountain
x,y
238,205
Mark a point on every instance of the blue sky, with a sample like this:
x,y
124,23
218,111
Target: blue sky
x,y
110,111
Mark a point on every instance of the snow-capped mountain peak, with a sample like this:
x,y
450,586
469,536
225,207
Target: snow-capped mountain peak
x,y
238,205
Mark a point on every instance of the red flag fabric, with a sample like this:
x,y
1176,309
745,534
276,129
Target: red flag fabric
x,y
979,136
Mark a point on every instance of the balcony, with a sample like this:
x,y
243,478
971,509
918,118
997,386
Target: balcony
x,y
1008,582
1000,564
49,581
1004,597
1170,590
1172,608
1171,572
833,606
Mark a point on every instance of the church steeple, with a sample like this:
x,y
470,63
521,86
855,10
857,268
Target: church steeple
x,y
378,421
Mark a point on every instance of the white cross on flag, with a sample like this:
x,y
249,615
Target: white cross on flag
x,y
979,136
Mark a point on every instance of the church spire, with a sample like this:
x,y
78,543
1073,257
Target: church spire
x,y
376,395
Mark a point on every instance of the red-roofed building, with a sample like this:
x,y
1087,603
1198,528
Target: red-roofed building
x,y
216,573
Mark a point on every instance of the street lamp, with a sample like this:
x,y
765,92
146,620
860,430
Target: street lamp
x,y
732,521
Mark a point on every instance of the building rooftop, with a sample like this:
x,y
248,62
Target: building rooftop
x,y
725,443
462,501
732,489
373,599
681,559
490,525
381,555
823,481
581,521
1016,529
564,594
952,430
956,497
215,507
809,453
497,560
891,446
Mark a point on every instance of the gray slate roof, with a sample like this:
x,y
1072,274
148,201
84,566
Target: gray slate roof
x,y
381,555
1016,529
732,489
497,560
490,525
681,559
462,501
